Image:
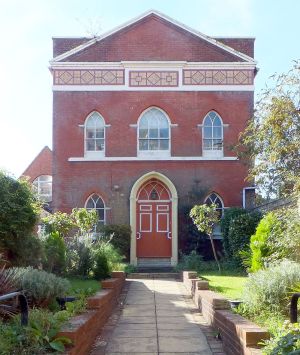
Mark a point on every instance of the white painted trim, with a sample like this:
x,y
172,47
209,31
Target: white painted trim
x,y
180,87
133,203
147,209
163,16
133,125
154,65
148,214
94,153
83,159
157,222
173,125
153,201
165,208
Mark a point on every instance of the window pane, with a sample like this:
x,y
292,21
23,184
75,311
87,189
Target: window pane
x,y
153,133
153,122
143,122
90,133
164,144
217,121
90,144
217,131
164,133
217,144
99,144
153,144
143,144
90,204
100,133
207,144
208,132
101,214
143,133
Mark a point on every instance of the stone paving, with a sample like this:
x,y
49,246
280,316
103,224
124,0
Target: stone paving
x,y
156,316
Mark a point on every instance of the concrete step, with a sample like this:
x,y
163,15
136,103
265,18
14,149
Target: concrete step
x,y
153,262
153,275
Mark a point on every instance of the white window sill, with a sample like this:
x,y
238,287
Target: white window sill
x,y
94,154
213,154
154,154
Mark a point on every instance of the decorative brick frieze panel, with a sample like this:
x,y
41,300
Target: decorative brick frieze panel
x,y
153,78
217,77
89,77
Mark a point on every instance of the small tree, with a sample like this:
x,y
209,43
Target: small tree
x,y
204,218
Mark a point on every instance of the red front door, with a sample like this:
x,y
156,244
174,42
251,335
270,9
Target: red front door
x,y
154,221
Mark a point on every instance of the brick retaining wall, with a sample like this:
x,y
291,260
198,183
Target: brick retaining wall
x,y
84,328
239,335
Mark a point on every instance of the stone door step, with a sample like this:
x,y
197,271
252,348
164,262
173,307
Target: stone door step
x,y
153,275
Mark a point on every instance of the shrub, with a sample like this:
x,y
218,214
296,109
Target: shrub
x,y
32,253
121,237
79,256
192,261
229,215
269,289
40,286
259,241
240,230
101,267
55,253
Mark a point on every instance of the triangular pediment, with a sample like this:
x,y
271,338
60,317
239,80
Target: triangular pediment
x,y
153,37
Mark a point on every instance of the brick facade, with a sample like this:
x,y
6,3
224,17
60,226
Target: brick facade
x,y
41,165
77,93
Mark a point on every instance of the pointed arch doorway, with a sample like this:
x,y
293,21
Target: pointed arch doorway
x,y
153,219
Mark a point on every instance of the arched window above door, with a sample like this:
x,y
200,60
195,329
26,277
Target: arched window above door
x,y
154,133
154,190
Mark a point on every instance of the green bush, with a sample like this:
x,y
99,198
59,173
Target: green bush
x,y
121,237
55,253
269,289
240,230
41,287
287,341
259,241
79,256
229,215
192,261
101,267
30,253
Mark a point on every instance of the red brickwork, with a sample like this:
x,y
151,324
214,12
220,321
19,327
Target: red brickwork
x,y
154,38
239,335
41,165
84,328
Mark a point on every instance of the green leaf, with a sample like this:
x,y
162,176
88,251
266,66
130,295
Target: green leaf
x,y
57,345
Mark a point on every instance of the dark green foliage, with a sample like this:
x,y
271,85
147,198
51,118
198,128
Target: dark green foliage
x,y
32,252
19,212
101,267
240,230
121,237
229,215
55,253
258,244
79,256
192,261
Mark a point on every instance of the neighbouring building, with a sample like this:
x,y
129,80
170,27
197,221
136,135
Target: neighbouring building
x,y
143,120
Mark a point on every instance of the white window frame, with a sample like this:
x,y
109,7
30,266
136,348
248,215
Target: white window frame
x,y
153,153
104,207
213,153
94,153
36,183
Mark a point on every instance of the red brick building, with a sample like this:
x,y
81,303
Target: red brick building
x,y
143,120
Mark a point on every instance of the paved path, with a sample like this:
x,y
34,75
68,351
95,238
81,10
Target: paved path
x,y
157,317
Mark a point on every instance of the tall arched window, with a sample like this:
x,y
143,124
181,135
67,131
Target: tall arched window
x,y
94,133
212,135
154,132
213,198
43,186
95,202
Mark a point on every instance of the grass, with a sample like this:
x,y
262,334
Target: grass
x,y
84,284
229,283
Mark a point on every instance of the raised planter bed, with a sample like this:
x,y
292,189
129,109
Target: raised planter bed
x,y
239,335
84,328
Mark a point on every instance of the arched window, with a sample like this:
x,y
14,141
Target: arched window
x,y
95,202
43,186
212,134
213,198
94,133
154,131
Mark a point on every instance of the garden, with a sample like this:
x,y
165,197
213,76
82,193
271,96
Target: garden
x,y
65,260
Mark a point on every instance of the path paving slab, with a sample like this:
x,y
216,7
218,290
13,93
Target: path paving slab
x,y
132,345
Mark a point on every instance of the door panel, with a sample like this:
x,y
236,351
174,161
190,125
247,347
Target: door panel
x,y
154,229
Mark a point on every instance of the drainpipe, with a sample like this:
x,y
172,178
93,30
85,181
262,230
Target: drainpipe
x,y
244,194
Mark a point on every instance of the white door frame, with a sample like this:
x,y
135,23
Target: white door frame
x,y
174,200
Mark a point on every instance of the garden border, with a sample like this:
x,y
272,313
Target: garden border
x,y
84,328
239,335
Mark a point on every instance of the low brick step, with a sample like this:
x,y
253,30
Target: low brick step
x,y
153,275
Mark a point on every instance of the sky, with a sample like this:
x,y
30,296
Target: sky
x,y
27,28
